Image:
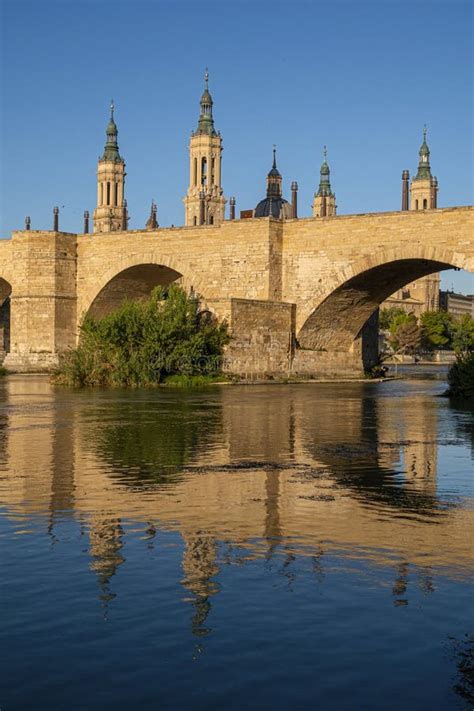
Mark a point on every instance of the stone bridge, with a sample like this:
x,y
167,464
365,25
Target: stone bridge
x,y
298,294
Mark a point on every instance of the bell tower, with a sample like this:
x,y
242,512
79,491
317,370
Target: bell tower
x,y
324,203
205,202
110,214
424,187
423,294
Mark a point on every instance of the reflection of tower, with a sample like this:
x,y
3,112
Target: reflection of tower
x,y
272,511
205,202
62,465
199,567
324,203
416,425
105,536
111,211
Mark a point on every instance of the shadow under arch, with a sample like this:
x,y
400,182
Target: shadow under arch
x,y
335,323
134,283
5,294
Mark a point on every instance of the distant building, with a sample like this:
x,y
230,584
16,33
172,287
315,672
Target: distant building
x,y
456,304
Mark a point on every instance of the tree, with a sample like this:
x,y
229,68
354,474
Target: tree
x,y
405,334
144,342
461,376
387,316
463,335
437,329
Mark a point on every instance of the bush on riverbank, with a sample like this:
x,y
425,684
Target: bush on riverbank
x,y
143,343
461,376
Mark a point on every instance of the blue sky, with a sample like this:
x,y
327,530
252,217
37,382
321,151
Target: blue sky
x,y
361,77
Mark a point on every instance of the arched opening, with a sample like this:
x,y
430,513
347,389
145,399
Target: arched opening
x,y
5,293
132,284
338,320
204,172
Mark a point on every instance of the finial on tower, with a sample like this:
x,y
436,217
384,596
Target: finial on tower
x,y
274,156
112,109
325,153
206,78
424,133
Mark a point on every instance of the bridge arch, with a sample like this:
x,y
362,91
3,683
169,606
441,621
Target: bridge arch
x,y
332,321
5,299
133,279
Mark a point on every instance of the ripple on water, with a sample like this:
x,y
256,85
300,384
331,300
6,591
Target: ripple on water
x,y
273,546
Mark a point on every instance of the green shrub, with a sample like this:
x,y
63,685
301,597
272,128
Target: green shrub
x,y
143,342
437,330
463,336
461,376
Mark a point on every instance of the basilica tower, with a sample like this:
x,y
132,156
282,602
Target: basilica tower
x,y
110,214
424,187
423,294
204,202
324,203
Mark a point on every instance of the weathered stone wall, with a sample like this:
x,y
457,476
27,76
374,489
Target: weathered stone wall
x,y
262,338
322,254
43,299
219,262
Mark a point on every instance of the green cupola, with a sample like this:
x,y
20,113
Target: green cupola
x,y
206,122
424,170
324,189
111,151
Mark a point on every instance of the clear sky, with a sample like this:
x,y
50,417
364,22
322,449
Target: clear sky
x,y
361,77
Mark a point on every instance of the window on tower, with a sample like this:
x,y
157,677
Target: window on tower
x,y
195,181
108,193
204,171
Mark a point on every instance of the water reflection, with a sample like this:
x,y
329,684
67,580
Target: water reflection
x,y
241,473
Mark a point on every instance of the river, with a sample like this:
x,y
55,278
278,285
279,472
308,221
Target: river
x,y
263,547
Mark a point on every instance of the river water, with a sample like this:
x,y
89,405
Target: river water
x,y
259,547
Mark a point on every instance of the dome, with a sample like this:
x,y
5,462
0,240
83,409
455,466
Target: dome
x,y
274,172
274,207
111,126
206,98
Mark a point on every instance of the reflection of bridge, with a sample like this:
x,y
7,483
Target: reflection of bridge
x,y
317,279
337,483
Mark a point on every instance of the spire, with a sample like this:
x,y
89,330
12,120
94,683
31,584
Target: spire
x,y
424,170
274,179
152,222
324,189
111,152
206,122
